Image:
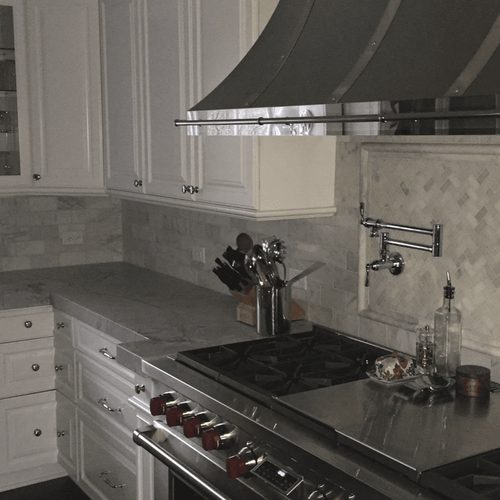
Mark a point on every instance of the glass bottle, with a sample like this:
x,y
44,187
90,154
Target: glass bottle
x,y
447,334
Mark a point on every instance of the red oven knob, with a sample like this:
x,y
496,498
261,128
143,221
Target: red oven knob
x,y
221,436
210,439
160,404
177,414
193,426
236,466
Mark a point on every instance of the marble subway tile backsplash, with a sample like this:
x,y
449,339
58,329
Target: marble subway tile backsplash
x,y
161,238
32,230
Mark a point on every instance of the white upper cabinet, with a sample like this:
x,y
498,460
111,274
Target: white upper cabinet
x,y
58,97
159,58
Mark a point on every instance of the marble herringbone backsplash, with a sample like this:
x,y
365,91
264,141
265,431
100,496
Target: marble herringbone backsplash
x,y
459,188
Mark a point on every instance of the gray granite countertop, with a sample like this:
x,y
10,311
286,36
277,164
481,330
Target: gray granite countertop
x,y
150,313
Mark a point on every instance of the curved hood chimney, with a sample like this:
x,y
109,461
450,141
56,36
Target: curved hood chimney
x,y
353,62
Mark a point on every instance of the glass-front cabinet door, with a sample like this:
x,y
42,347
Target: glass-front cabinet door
x,y
9,130
15,151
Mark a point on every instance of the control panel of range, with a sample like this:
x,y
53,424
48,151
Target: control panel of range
x,y
252,460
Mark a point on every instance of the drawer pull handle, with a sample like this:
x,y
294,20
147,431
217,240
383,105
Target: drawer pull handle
x,y
37,432
35,367
61,433
58,368
60,325
103,475
140,388
104,351
104,404
28,324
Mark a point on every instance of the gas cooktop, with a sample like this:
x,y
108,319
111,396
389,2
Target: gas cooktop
x,y
286,364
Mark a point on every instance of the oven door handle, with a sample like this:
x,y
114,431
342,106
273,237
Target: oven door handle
x,y
143,437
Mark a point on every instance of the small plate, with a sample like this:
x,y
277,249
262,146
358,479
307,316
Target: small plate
x,y
425,383
392,383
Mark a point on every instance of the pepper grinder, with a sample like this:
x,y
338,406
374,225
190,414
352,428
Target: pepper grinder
x,y
425,350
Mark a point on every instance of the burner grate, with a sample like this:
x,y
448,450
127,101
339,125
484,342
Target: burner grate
x,y
476,478
287,364
494,387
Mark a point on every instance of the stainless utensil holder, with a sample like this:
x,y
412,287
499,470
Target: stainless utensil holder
x,y
274,310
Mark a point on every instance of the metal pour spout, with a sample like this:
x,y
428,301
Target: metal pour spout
x,y
393,260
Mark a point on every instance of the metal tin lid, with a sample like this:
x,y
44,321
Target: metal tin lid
x,y
473,371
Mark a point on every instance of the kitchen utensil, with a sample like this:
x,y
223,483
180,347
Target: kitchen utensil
x,y
244,242
275,248
266,266
306,272
256,267
229,276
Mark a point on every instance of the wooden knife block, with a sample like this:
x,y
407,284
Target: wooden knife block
x,y
246,311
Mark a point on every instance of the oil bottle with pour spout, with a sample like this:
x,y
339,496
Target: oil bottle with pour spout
x,y
448,334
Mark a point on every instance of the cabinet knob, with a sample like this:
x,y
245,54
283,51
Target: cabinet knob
x,y
35,367
61,433
60,325
137,183
28,324
37,432
140,388
37,177
58,368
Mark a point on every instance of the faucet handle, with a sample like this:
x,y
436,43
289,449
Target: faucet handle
x,y
362,213
367,277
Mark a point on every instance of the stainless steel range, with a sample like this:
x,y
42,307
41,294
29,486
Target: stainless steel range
x,y
296,416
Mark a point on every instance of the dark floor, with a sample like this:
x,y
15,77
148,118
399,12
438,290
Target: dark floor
x,y
56,489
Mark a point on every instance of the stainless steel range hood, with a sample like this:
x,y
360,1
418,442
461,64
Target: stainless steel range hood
x,y
364,67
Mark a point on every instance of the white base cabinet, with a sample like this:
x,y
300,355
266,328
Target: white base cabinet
x,y
28,436
95,420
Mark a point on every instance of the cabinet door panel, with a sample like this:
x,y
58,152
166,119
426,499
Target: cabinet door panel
x,y
167,170
66,435
122,112
65,91
64,365
28,437
10,183
105,471
26,367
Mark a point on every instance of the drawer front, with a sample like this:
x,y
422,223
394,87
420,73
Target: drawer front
x,y
106,471
100,347
66,435
28,437
64,365
27,323
26,367
63,324
105,394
